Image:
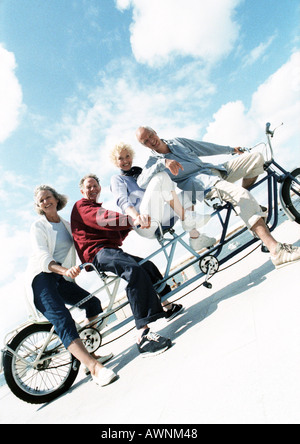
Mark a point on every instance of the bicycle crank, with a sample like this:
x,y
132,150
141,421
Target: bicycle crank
x,y
209,265
91,339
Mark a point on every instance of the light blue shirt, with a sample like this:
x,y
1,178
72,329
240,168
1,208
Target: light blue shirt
x,y
126,191
63,242
197,176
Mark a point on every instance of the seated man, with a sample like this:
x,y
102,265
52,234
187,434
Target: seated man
x,y
180,158
98,235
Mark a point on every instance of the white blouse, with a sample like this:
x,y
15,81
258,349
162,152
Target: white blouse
x,y
43,241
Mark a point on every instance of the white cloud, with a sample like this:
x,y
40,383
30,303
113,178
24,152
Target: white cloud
x,y
85,140
98,125
12,188
258,52
15,244
230,125
277,100
120,104
10,94
123,4
92,127
12,299
162,29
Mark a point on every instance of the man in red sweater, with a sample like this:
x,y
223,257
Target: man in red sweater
x,y
98,235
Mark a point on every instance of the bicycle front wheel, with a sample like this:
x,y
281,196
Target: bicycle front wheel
x,y
39,381
290,194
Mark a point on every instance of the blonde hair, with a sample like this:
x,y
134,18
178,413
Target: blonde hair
x,y
117,149
62,199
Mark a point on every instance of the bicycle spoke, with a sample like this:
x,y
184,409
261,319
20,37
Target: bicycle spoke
x,y
49,373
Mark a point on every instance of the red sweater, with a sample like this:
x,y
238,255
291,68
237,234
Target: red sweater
x,y
94,228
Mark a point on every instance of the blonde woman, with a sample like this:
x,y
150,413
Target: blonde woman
x,y
159,200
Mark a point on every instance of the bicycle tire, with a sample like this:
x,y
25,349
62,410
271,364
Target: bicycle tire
x,y
290,193
50,379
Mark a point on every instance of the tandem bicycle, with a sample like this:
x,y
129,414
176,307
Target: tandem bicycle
x,y
38,368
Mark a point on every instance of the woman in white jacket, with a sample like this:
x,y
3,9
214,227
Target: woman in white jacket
x,y
51,273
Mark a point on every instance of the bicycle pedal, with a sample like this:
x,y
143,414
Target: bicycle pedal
x,y
207,284
265,249
217,207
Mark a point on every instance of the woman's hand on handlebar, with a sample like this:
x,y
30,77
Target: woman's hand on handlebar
x,y
73,272
142,221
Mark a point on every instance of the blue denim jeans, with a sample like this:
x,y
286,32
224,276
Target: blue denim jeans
x,y
51,293
144,301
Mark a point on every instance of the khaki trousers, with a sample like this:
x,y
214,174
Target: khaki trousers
x,y
245,166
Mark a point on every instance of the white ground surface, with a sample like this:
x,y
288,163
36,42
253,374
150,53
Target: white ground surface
x,y
235,359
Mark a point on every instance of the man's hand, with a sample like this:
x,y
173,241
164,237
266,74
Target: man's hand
x,y
173,166
239,150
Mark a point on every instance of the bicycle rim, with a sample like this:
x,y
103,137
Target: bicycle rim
x,y
49,378
291,195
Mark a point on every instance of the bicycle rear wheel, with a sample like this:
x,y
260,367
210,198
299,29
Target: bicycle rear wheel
x,y
290,195
52,376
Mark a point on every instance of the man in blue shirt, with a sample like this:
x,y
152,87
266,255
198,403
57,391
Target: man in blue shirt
x,y
180,158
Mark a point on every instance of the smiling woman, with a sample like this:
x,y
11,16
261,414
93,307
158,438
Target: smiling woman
x,y
50,279
48,201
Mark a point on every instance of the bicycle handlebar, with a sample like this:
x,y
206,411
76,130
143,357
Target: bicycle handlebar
x,y
268,131
87,264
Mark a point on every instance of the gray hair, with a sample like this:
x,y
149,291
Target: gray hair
x,y
149,129
88,176
62,199
140,129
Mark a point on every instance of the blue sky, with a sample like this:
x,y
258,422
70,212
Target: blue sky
x,y
77,76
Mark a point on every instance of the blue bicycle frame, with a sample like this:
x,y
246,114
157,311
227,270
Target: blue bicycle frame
x,y
271,179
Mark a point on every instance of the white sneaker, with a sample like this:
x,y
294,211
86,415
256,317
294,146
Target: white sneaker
x,y
202,241
105,376
194,220
102,360
286,254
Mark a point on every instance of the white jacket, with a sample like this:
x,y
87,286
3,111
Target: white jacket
x,y
43,240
